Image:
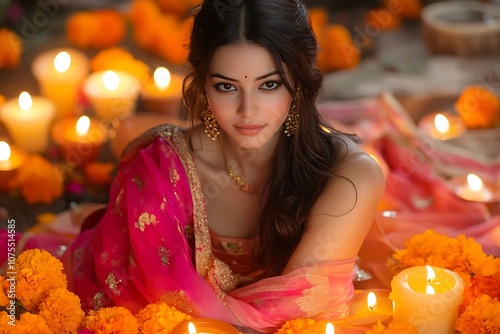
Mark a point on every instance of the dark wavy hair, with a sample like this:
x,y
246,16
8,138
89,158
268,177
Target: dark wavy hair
x,y
304,161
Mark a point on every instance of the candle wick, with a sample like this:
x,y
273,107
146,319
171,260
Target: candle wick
x,y
372,308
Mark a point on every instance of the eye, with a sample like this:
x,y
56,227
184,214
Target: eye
x,y
270,85
224,87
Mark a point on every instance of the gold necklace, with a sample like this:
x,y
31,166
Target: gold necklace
x,y
244,187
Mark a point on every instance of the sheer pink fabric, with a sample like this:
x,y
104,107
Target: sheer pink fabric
x,y
153,243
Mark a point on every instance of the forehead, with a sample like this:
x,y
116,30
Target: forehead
x,y
242,60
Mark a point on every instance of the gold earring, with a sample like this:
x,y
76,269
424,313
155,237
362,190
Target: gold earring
x,y
292,120
211,126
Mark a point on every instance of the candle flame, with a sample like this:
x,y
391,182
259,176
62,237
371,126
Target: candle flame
x,y
431,275
329,328
110,80
83,125
25,101
191,328
474,182
62,62
372,301
162,78
429,289
441,123
4,151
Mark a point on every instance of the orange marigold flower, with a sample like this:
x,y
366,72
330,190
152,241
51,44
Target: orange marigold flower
x,y
111,320
96,29
40,181
31,323
405,8
4,322
118,59
62,311
37,273
159,318
478,107
99,173
338,50
479,285
462,255
301,325
4,287
178,7
11,49
482,316
2,99
393,328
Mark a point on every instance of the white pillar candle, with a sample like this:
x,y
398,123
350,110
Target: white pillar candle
x,y
60,74
430,303
28,120
112,94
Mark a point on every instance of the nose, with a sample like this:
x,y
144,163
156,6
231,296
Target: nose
x,y
247,106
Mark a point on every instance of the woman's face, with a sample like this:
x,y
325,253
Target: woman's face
x,y
246,94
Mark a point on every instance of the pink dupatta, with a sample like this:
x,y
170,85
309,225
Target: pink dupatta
x,y
153,243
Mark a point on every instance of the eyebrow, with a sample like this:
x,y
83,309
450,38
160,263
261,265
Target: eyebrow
x,y
217,75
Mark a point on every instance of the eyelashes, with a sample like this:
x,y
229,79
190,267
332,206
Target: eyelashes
x,y
225,87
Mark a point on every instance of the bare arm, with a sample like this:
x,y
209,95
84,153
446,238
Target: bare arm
x,y
343,214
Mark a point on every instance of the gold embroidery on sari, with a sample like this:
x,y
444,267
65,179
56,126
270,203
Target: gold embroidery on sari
x,y
144,220
97,301
179,199
118,202
165,255
163,204
131,259
178,300
104,257
174,176
139,182
112,283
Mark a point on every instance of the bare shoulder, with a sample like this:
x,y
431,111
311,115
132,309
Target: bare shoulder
x,y
344,212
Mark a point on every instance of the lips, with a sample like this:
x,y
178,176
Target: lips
x,y
249,130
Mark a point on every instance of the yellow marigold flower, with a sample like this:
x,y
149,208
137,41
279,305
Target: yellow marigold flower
x,y
159,318
31,323
118,59
39,180
301,325
393,328
11,49
62,311
37,273
4,287
111,320
482,316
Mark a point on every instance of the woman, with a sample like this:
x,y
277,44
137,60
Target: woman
x,y
255,214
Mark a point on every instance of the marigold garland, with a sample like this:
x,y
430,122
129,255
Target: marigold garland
x,y
159,318
482,316
62,311
30,323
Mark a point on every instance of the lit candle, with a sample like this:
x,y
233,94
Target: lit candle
x,y
60,73
206,326
28,120
329,328
112,94
472,188
369,307
163,92
80,139
428,298
441,125
372,301
11,158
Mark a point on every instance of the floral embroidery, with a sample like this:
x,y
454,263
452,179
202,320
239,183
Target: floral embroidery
x,y
165,255
139,182
144,220
112,283
98,300
163,204
174,176
131,259
178,300
179,200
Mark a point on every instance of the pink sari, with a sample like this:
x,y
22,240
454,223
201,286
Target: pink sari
x,y
153,243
